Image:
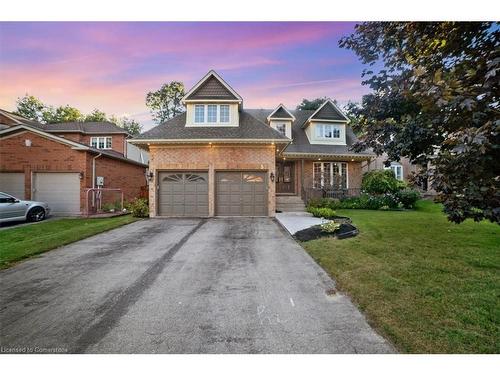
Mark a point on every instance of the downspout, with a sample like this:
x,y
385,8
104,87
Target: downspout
x,y
93,177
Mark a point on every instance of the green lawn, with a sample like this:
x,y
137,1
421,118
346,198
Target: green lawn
x,y
428,285
26,241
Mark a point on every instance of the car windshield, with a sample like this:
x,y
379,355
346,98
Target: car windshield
x,y
6,198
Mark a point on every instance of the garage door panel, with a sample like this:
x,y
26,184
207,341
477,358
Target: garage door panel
x,y
60,190
13,184
183,194
241,193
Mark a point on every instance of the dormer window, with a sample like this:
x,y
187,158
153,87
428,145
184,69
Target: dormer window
x,y
327,131
281,128
101,142
199,113
211,114
224,113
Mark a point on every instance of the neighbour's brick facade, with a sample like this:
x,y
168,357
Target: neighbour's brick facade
x,y
117,140
211,158
47,155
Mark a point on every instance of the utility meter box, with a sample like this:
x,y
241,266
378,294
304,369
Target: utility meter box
x,y
100,181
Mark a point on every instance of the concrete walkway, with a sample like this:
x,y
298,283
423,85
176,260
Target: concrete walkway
x,y
296,221
236,285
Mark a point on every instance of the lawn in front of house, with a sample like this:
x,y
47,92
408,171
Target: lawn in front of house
x,y
26,241
429,285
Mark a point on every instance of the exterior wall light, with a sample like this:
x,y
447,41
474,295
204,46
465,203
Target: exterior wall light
x,y
271,176
150,175
81,175
27,142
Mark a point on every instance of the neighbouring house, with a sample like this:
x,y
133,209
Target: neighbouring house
x,y
58,163
402,169
221,159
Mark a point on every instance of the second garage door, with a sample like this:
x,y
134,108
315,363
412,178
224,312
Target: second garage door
x,y
241,194
60,190
13,184
183,194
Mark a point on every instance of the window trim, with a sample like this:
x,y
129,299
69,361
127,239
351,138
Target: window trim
x,y
339,166
394,166
217,121
105,142
322,130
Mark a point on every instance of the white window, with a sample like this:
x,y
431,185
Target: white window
x,y
398,170
101,142
281,128
332,175
224,113
327,131
199,113
212,113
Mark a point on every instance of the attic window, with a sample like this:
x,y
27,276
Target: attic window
x,y
199,113
327,131
101,142
211,114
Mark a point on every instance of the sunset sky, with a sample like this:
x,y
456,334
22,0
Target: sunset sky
x,y
111,66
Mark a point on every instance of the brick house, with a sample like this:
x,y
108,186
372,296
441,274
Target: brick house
x,y
219,158
57,163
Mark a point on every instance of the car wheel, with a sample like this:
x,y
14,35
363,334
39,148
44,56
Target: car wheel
x,y
36,214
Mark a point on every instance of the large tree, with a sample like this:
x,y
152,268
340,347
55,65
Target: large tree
x,y
312,104
435,99
131,126
62,114
165,103
30,107
95,116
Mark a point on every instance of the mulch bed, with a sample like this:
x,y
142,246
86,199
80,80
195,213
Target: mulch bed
x,y
346,230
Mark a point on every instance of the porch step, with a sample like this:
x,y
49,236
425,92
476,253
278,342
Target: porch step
x,y
290,203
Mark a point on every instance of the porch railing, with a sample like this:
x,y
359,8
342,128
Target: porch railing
x,y
310,193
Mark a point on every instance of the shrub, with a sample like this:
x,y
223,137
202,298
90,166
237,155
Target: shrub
x,y
330,227
324,202
380,182
408,197
138,207
323,212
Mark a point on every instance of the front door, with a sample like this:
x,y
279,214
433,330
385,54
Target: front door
x,y
285,181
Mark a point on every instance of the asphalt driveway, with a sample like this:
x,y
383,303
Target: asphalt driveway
x,y
238,285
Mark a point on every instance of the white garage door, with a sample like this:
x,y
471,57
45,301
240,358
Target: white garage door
x,y
60,190
13,184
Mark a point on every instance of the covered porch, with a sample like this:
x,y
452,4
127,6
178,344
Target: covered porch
x,y
319,175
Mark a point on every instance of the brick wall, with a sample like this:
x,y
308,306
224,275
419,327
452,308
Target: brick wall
x,y
117,140
212,158
46,155
121,175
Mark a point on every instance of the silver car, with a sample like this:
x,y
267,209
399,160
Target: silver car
x,y
13,209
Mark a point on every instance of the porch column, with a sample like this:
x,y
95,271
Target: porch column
x,y
301,176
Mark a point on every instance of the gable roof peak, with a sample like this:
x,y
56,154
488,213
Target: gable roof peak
x,y
212,87
281,113
328,111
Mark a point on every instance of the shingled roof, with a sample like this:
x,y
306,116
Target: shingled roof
x,y
212,86
281,113
301,144
250,128
99,127
328,111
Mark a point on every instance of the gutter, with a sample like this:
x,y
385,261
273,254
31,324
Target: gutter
x,y
93,169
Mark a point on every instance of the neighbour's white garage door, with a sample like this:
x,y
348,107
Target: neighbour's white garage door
x,y
13,184
60,190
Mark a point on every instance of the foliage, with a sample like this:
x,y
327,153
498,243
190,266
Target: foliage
x,y
95,116
165,103
30,107
312,105
435,101
324,202
408,197
60,114
379,182
438,281
330,227
324,212
131,126
138,207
